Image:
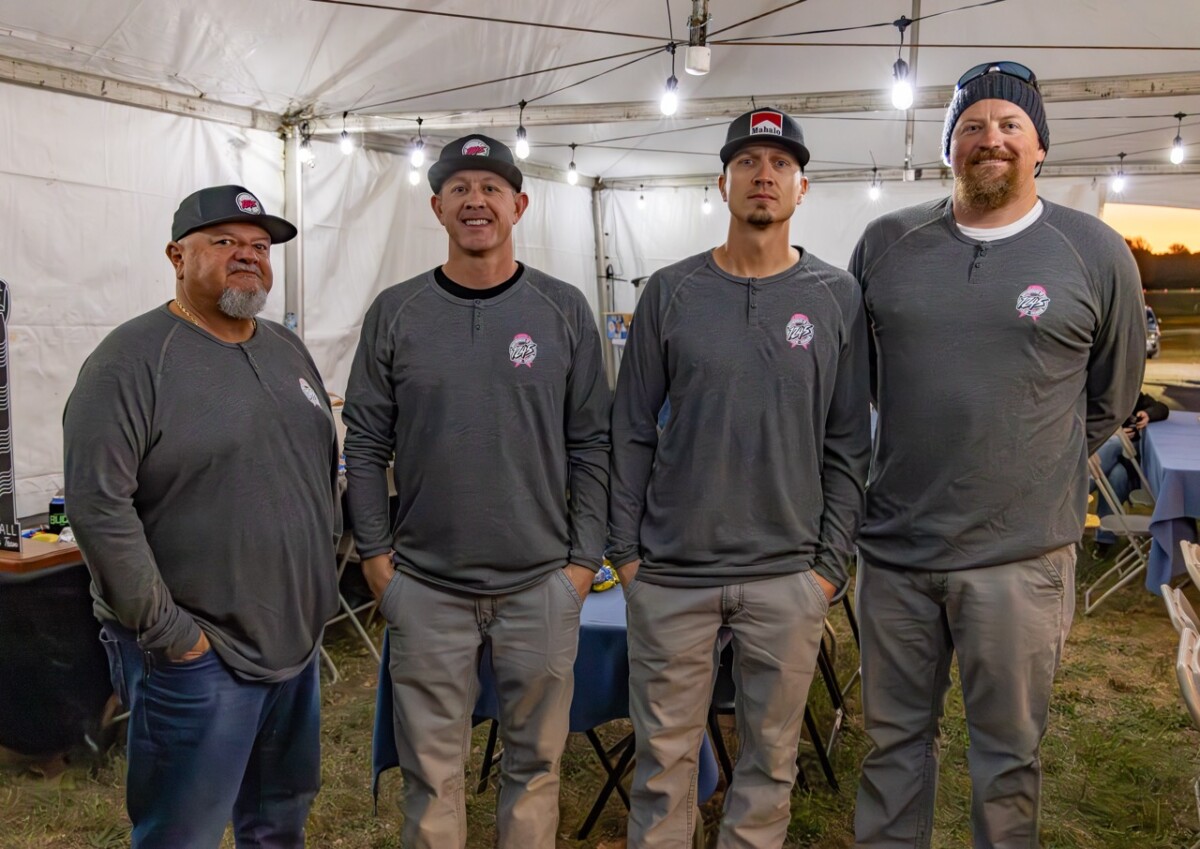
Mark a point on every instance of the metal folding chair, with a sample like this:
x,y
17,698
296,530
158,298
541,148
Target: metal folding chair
x,y
1136,529
347,554
1143,496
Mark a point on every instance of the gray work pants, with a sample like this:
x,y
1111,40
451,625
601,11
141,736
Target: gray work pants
x,y
777,626
436,639
1007,624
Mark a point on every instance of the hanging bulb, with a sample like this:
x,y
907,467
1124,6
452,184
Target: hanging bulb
x,y
642,196
706,207
670,98
522,144
306,152
417,158
902,92
414,177
572,171
347,143
874,192
1117,183
1177,151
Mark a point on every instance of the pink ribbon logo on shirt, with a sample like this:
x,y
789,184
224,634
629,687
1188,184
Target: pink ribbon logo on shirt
x,y
522,351
1033,302
799,331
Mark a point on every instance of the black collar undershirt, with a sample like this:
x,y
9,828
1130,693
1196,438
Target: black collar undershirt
x,y
460,291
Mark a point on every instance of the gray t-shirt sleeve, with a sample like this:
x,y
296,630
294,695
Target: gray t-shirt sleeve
x,y
587,440
641,391
847,446
370,417
106,432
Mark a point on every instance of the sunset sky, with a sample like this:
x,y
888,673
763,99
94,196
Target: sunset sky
x,y
1161,226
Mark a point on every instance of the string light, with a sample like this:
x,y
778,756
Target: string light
x,y
414,177
418,152
642,196
1117,184
902,90
347,143
1177,145
876,188
670,98
522,136
572,171
706,207
306,155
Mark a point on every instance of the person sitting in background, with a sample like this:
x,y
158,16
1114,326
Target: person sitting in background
x,y
1117,468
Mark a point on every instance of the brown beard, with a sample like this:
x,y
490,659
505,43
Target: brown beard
x,y
760,217
987,193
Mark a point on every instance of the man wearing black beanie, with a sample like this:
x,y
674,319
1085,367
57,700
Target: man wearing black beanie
x,y
1007,338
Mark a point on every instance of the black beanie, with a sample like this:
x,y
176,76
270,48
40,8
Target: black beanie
x,y
996,86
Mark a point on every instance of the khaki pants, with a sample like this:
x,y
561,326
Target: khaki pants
x,y
777,625
436,641
1007,624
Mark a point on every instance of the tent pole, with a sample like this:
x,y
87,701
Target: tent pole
x,y
293,211
604,290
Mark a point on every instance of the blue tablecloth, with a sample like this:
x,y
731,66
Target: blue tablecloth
x,y
1170,454
601,686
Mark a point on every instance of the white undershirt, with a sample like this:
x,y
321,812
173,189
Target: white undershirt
x,y
991,234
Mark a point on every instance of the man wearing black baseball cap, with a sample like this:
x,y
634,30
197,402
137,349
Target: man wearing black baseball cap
x,y
742,512
183,423
1009,336
483,377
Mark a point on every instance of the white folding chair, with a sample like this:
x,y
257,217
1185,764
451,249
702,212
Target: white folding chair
x,y
1191,559
347,554
1133,560
1187,670
1143,496
1182,614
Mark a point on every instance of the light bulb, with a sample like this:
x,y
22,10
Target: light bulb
x,y
706,207
1177,151
1117,184
414,177
902,92
306,152
874,192
572,174
347,143
670,99
418,154
641,201
522,144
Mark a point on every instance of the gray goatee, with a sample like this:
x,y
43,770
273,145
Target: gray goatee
x,y
242,303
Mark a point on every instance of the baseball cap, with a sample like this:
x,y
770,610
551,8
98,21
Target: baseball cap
x,y
765,126
223,204
474,153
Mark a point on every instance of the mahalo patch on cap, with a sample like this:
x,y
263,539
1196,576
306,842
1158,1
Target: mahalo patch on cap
x,y
996,86
223,205
765,126
474,153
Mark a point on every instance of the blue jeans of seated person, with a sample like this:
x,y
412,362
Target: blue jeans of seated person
x,y
207,747
1118,476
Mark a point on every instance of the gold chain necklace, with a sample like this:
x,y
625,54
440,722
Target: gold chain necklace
x,y
188,315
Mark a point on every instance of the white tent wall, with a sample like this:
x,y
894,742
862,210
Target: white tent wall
x,y
828,222
87,193
367,228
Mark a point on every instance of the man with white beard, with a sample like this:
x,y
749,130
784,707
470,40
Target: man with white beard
x,y
201,470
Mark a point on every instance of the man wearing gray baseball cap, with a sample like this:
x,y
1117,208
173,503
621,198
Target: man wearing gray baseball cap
x,y
186,425
742,512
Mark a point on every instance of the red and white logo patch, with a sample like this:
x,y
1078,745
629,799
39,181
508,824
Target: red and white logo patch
x,y
522,351
766,122
799,331
476,147
247,202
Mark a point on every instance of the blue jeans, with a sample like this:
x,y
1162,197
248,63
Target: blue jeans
x,y
1117,472
206,746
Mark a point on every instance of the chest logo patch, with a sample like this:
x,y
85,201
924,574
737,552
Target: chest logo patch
x,y
799,331
1033,302
309,393
522,350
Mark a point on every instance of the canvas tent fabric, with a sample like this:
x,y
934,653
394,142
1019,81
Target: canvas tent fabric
x,y
88,186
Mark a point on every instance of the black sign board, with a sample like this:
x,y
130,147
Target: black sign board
x,y
10,528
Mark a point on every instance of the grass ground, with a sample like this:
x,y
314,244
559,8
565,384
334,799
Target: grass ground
x,y
1119,759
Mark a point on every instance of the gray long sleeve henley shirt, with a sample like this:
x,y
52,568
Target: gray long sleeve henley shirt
x,y
201,478
997,367
760,467
496,409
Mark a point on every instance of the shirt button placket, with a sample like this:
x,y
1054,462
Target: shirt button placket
x,y
478,316
753,301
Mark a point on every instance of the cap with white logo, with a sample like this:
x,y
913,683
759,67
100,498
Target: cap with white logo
x,y
223,205
765,126
474,153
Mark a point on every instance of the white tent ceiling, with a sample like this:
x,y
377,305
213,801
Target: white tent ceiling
x,y
323,58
